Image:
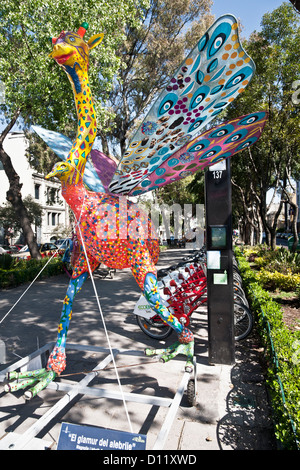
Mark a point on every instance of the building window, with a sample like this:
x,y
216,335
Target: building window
x,y
53,218
37,191
51,195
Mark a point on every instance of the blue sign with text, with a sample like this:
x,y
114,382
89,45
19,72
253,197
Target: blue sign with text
x,y
77,437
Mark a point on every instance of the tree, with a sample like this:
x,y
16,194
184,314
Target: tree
x,y
274,160
11,222
149,55
296,4
35,88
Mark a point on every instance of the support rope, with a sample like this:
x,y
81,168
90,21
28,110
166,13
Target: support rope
x,y
105,330
26,290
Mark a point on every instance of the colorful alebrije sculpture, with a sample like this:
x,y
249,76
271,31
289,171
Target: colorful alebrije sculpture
x,y
165,148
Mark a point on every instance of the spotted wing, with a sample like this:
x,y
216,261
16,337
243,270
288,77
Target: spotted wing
x,y
215,72
205,150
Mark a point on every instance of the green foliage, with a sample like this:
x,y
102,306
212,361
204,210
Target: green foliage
x,y
273,280
278,269
283,355
10,219
298,292
17,272
6,261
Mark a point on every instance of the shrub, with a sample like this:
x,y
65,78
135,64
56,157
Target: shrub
x,y
298,292
280,260
283,356
6,261
276,280
26,270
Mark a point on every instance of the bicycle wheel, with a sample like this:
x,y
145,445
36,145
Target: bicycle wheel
x,y
238,290
154,327
191,395
243,321
237,282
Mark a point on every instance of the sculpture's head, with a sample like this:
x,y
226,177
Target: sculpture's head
x,y
70,48
62,170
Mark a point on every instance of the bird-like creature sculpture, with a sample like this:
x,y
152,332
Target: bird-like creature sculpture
x,y
167,146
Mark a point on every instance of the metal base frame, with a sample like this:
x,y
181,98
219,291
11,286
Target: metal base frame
x,y
18,442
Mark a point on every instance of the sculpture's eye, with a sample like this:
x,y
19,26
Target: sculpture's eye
x,y
72,39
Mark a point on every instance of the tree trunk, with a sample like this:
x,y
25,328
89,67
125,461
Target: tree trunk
x,y
104,143
294,225
14,195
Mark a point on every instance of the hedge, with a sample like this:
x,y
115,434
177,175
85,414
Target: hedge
x,y
16,272
282,348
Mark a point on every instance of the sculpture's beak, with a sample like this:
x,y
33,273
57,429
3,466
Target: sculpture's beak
x,y
51,174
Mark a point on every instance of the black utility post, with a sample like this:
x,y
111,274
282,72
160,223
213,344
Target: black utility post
x,y
219,264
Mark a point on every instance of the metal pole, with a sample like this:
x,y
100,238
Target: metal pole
x,y
219,264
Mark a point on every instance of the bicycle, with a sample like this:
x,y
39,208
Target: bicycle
x,y
187,295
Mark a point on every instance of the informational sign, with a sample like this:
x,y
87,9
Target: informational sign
x,y
77,437
220,278
213,259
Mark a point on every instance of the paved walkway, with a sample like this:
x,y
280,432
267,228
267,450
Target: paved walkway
x,y
232,410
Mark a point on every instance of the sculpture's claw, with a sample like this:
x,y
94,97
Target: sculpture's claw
x,y
180,347
57,360
39,378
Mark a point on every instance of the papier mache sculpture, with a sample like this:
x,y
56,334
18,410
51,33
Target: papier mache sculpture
x,y
166,147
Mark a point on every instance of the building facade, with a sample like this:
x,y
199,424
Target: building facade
x,y
47,193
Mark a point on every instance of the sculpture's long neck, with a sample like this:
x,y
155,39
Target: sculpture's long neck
x,y
87,124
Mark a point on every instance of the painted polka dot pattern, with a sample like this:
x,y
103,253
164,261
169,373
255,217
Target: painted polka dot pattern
x,y
115,231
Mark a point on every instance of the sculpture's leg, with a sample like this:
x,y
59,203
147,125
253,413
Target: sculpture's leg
x,y
185,343
145,274
57,359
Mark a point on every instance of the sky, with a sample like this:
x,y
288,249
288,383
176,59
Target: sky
x,y
248,12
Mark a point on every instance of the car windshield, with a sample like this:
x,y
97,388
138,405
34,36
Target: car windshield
x,y
64,242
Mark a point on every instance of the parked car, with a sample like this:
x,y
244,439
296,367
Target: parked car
x,y
291,242
7,249
13,249
18,246
46,249
64,243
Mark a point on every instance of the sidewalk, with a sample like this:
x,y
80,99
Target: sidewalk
x,y
232,410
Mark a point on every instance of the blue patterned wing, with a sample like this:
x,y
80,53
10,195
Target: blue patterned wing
x,y
215,72
61,146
